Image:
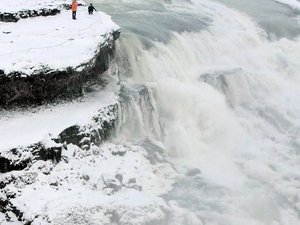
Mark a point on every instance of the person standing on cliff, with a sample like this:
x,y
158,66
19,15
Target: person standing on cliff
x,y
91,9
74,6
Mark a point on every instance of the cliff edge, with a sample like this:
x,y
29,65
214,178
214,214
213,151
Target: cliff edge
x,y
46,55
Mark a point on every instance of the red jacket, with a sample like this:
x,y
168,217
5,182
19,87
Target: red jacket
x,y
74,6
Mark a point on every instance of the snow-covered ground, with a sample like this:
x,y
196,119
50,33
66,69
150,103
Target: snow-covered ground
x,y
105,185
19,5
55,42
22,128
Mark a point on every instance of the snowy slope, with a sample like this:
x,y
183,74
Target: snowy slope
x,y
107,184
56,42
19,5
87,188
27,127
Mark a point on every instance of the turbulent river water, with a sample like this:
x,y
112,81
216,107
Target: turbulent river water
x,y
223,85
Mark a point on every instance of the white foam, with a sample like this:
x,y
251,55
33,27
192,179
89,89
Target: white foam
x,y
242,130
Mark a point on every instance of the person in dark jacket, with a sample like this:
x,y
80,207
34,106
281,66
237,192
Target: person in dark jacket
x,y
91,9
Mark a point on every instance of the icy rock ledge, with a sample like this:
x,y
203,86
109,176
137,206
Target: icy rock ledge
x,y
45,58
84,137
15,17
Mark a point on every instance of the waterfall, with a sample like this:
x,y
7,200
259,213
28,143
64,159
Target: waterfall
x,y
222,95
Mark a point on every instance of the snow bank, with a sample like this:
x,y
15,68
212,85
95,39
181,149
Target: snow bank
x,y
28,127
93,187
19,5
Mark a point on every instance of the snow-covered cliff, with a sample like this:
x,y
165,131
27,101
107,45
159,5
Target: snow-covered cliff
x,y
49,55
58,163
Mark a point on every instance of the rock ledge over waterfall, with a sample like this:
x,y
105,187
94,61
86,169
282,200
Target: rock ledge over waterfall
x,y
47,55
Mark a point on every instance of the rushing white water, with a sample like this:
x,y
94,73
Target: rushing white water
x,y
227,99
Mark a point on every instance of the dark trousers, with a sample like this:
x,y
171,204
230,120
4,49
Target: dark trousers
x,y
74,15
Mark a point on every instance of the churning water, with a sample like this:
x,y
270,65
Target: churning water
x,y
222,93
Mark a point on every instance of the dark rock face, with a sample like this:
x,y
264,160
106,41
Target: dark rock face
x,y
15,159
71,135
20,158
94,133
7,165
51,153
15,17
47,85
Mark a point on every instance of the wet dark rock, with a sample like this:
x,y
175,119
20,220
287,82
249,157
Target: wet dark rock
x,y
15,210
71,135
16,16
3,201
51,153
218,79
119,177
132,183
116,34
94,133
7,165
226,81
5,181
114,185
20,158
13,160
193,172
85,177
54,183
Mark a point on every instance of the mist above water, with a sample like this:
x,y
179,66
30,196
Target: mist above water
x,y
276,19
227,100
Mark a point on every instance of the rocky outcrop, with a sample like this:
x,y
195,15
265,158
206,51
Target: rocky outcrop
x,y
16,16
20,158
84,137
46,85
94,133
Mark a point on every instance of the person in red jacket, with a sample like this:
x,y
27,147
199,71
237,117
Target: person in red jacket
x,y
74,6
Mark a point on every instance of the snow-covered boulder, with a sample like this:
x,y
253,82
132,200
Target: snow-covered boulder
x,y
43,58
